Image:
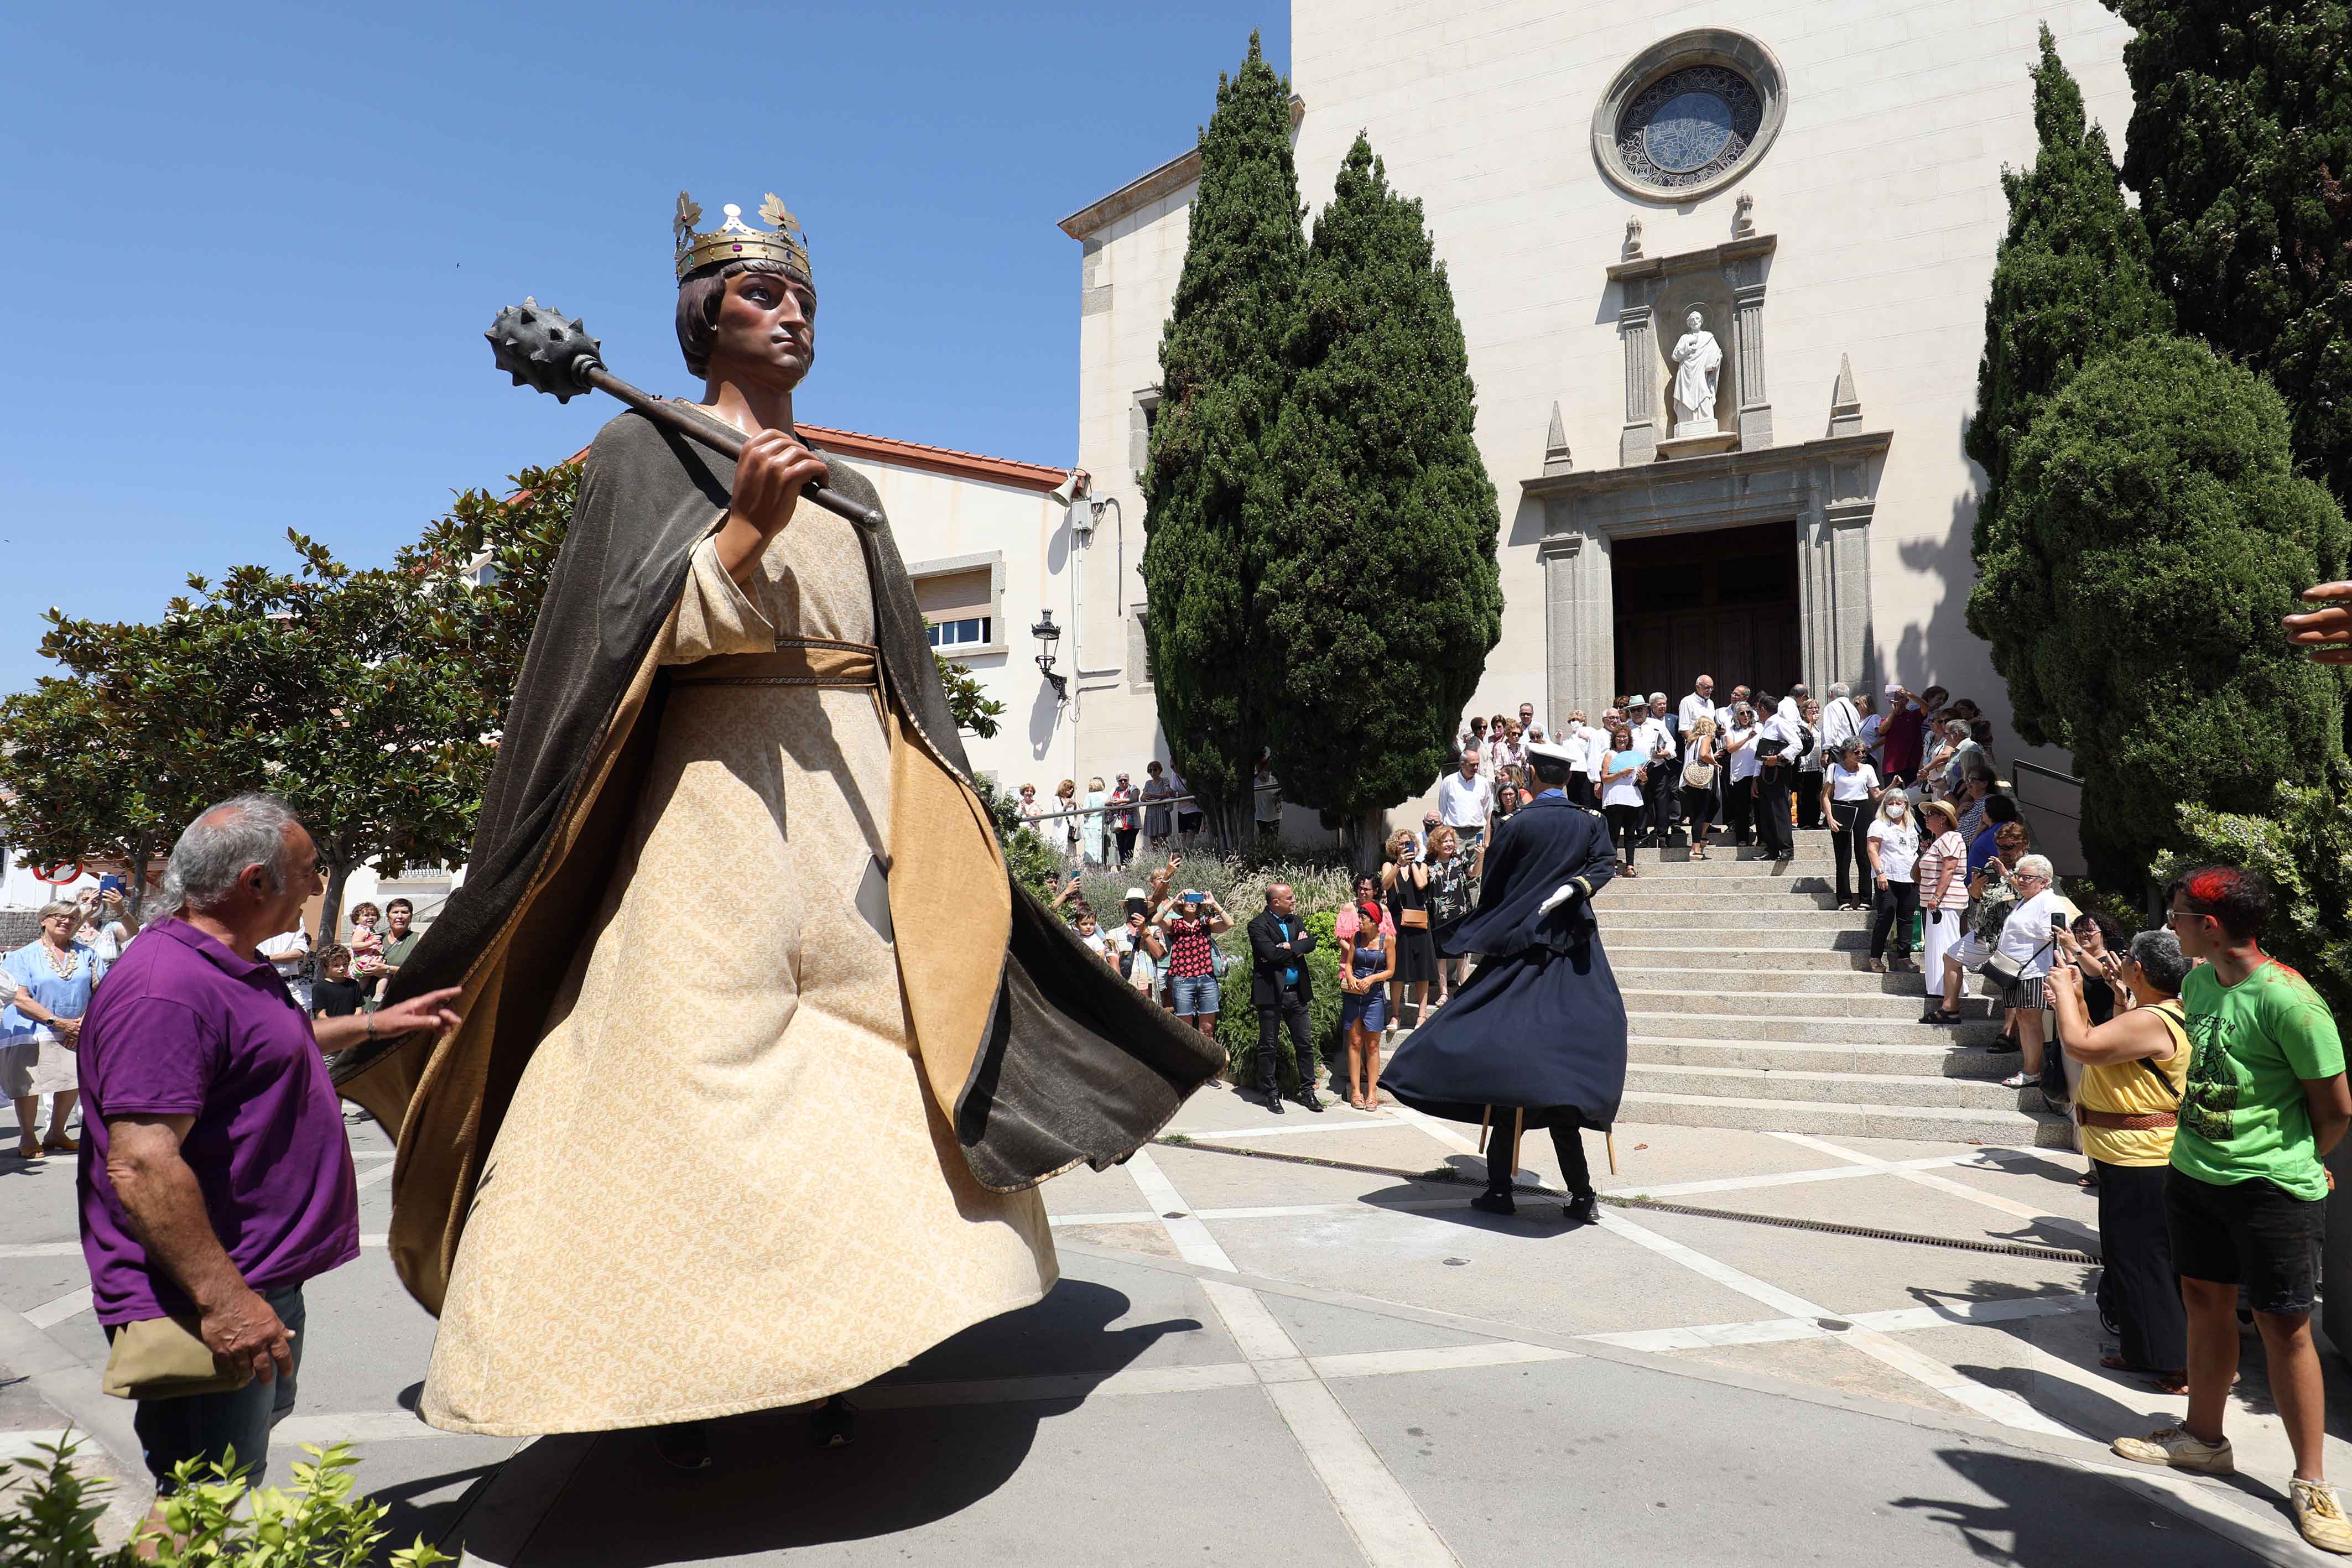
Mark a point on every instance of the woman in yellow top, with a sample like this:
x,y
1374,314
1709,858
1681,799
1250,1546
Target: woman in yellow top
x,y
2129,1105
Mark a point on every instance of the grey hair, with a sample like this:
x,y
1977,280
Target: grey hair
x,y
2036,866
1657,697
2158,954
1799,691
1840,689
217,847
59,906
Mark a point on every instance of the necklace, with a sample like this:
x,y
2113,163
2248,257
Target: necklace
x,y
61,959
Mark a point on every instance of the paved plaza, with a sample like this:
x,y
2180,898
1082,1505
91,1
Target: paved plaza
x,y
1256,1360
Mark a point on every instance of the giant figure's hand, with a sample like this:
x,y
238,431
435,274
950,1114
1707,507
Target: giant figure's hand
x,y
768,477
2327,632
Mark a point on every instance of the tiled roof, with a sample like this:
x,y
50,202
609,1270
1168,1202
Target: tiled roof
x,y
917,455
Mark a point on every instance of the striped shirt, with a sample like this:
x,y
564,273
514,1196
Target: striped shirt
x,y
1949,849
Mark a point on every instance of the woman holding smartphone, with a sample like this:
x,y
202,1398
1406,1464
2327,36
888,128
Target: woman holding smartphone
x,y
1193,921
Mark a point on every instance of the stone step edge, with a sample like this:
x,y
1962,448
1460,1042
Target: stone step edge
x,y
1634,1042
1829,1077
1632,1013
1926,1113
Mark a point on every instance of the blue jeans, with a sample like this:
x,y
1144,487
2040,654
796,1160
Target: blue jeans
x,y
206,1426
1195,994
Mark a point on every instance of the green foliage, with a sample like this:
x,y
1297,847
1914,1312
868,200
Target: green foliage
x,y
1207,487
2241,148
2301,839
2071,281
974,708
1376,596
2155,534
1031,862
213,1519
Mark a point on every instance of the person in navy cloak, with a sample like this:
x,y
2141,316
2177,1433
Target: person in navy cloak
x,y
1537,1037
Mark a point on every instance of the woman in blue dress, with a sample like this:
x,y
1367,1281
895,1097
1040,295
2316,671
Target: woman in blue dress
x,y
41,1026
1366,960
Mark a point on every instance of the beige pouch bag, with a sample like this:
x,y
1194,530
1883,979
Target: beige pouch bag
x,y
163,1358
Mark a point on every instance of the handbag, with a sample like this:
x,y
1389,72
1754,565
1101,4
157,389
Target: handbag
x,y
2007,974
163,1358
1699,775
1412,919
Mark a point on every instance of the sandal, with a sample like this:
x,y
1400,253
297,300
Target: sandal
x,y
60,1144
1939,1015
27,1149
2019,1081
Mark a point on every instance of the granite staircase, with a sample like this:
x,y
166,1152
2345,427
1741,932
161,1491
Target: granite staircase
x,y
1751,1004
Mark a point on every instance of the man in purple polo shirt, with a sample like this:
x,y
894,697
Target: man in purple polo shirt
x,y
215,1174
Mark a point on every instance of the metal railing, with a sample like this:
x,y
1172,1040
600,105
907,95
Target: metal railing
x,y
2052,804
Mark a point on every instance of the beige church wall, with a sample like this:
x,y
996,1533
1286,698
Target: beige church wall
x,y
1882,187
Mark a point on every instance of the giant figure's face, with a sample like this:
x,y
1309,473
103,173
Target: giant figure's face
x,y
766,332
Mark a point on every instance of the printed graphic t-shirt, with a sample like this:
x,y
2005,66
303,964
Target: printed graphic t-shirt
x,y
2243,1115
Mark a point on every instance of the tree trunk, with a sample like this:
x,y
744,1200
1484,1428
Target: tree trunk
x,y
141,848
330,910
1362,838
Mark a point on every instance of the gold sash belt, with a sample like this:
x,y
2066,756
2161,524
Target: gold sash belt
x,y
797,661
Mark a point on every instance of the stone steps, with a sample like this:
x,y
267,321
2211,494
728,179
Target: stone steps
x,y
1833,1119
1657,971
1840,1057
1893,1091
1715,915
1815,1029
1734,965
1760,1009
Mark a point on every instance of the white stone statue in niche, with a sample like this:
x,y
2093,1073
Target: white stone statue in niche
x,y
1698,364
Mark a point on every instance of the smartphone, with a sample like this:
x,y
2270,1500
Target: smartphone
x,y
113,883
1196,898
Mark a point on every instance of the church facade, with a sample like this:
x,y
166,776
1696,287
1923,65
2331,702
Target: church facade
x,y
1722,273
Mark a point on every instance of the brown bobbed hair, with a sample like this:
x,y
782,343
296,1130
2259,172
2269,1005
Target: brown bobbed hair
x,y
699,295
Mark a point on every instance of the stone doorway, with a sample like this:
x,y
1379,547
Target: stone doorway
x,y
1718,601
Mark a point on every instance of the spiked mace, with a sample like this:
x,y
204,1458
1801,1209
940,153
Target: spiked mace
x,y
543,351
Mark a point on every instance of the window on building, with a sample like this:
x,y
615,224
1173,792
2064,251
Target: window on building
x,y
971,631
959,606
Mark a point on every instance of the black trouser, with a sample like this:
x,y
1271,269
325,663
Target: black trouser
x,y
1271,1021
1896,903
1809,800
1126,837
1663,793
1772,812
1849,821
1579,790
1625,827
1739,809
2138,1291
1567,1142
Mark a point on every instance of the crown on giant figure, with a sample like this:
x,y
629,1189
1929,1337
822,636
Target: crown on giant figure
x,y
735,240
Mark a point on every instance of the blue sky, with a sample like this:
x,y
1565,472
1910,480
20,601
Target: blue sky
x,y
246,253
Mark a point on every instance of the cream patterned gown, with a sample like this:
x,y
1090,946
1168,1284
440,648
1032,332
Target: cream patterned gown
x,y
723,1185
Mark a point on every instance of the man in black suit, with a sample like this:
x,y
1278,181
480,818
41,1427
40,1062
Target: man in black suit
x,y
1280,989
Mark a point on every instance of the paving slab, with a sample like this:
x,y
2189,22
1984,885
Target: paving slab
x,y
1592,1463
1076,1483
1857,1274
1086,1191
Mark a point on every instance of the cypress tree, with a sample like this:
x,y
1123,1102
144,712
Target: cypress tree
x,y
2155,505
1220,381
2241,148
2071,281
1377,597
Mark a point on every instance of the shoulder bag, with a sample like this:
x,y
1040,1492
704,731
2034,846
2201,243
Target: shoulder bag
x,y
1699,775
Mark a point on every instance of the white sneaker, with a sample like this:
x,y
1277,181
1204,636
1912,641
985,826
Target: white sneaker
x,y
2319,1514
2176,1447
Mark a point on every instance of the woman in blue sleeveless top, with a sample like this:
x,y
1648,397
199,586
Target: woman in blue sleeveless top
x,y
1367,959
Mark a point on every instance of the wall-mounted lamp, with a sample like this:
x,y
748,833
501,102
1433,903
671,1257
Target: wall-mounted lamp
x,y
1047,634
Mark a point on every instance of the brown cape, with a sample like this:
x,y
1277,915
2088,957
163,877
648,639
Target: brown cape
x,y
1041,1057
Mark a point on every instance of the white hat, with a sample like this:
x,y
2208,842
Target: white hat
x,y
1550,753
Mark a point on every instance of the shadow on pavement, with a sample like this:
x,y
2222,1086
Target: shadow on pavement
x,y
2040,1513
608,1498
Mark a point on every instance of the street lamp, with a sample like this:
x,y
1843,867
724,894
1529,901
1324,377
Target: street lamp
x,y
1047,634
